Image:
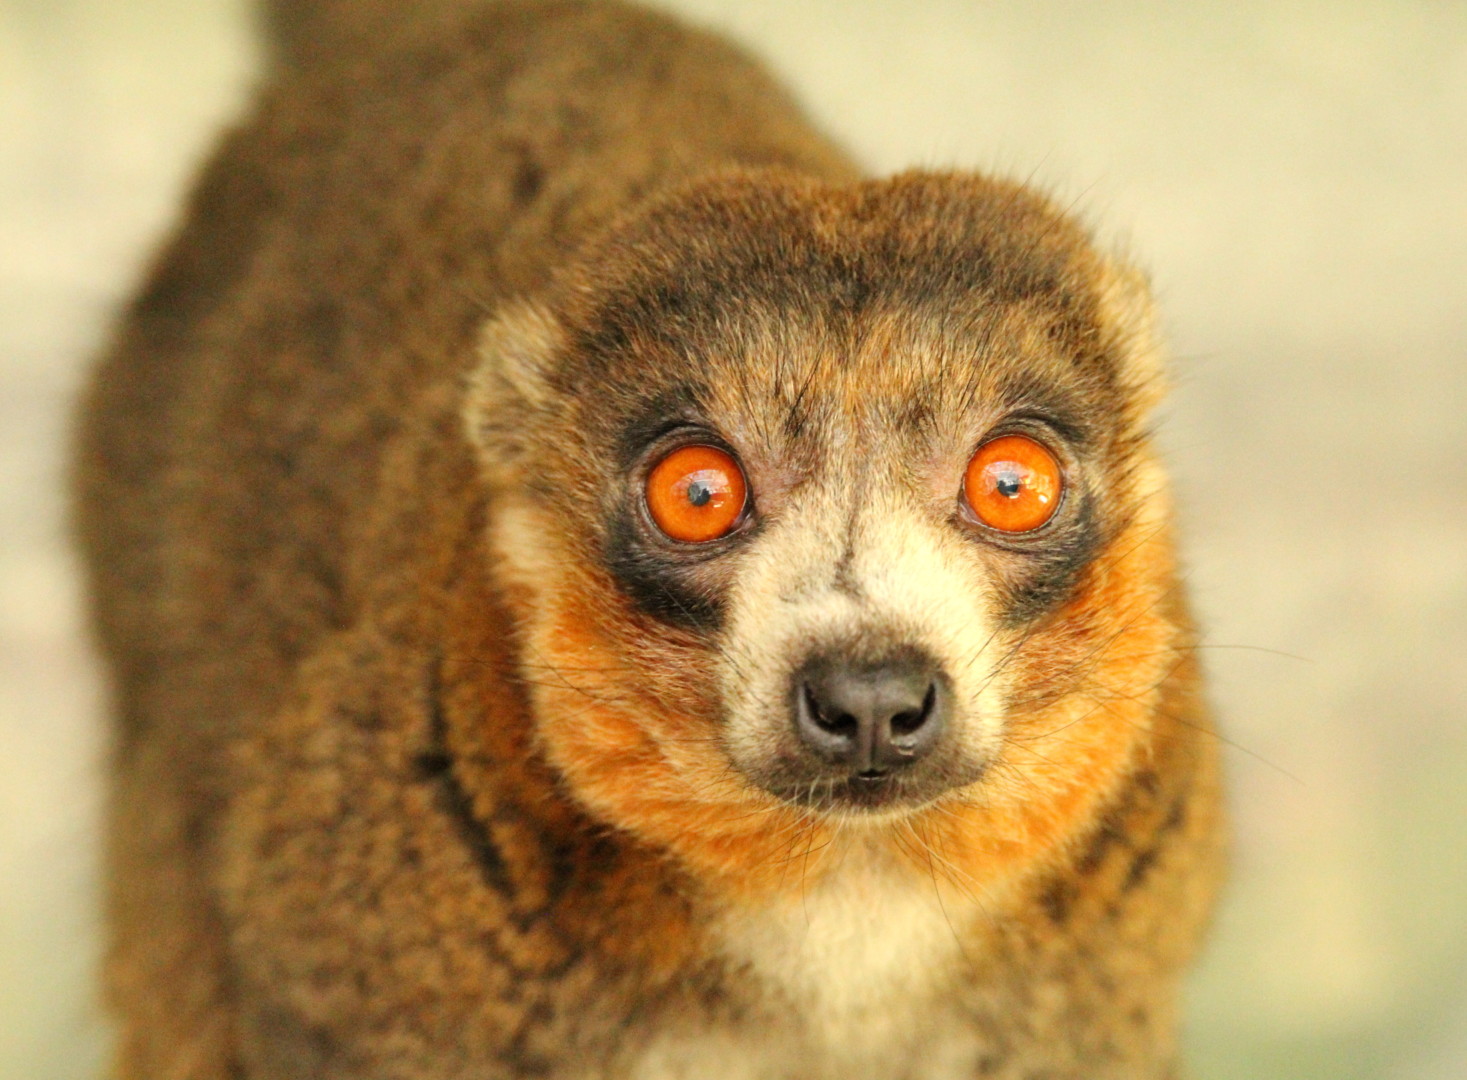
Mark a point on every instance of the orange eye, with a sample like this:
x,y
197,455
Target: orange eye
x,y
696,494
1013,484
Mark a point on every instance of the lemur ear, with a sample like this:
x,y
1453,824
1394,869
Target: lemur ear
x,y
1130,322
511,387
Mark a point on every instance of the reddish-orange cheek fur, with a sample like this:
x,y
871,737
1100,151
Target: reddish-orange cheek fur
x,y
1090,682
632,726
629,716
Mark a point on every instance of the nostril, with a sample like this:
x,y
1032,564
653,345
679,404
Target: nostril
x,y
835,721
910,721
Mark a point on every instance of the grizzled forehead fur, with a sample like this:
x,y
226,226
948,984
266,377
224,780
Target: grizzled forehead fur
x,y
719,264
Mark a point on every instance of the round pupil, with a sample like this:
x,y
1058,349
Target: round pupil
x,y
696,494
1009,481
699,492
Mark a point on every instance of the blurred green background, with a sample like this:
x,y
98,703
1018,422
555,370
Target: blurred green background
x,y
1294,176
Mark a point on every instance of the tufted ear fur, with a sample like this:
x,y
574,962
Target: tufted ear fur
x,y
510,387
1129,317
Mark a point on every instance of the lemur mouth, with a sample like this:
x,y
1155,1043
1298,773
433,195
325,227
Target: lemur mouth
x,y
872,789
874,794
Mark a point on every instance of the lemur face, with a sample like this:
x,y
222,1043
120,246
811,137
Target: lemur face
x,y
815,502
857,597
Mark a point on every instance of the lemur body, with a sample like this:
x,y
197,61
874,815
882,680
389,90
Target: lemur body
x,y
441,754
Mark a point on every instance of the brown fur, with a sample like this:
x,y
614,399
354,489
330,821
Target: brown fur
x,y
410,783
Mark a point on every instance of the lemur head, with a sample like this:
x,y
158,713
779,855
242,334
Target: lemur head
x,y
831,509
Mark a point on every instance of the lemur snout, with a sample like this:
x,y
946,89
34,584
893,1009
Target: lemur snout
x,y
872,719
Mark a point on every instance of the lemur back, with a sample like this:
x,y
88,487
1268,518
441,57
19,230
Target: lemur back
x,y
596,587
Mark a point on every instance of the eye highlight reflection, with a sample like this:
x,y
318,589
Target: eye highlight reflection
x,y
696,494
1013,484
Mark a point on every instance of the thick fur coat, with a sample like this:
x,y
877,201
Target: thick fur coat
x,y
435,760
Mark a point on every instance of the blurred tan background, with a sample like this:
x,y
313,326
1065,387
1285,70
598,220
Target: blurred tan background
x,y
1295,174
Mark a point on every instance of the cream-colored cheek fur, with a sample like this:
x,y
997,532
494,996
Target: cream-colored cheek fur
x,y
905,579
525,548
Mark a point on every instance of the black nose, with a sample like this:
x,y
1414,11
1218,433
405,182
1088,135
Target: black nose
x,y
869,718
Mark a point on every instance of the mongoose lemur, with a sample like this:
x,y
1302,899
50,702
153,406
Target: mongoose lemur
x,y
596,587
